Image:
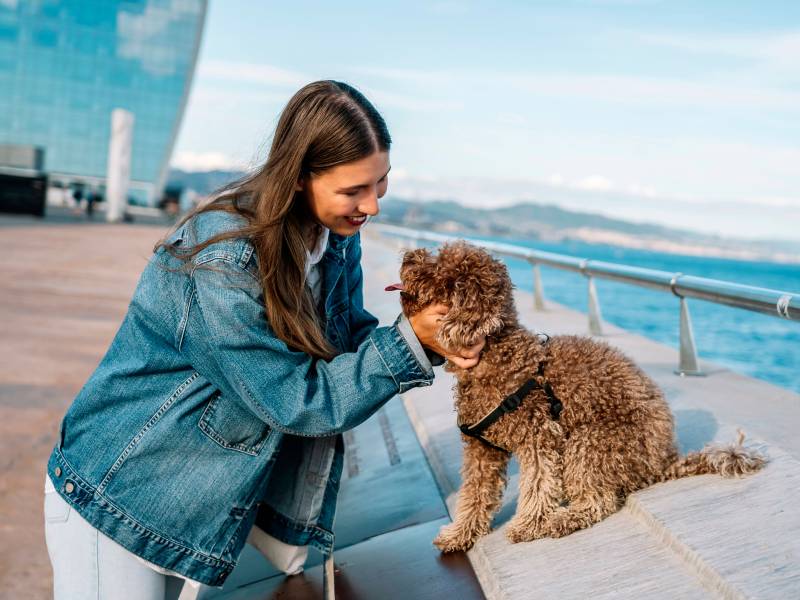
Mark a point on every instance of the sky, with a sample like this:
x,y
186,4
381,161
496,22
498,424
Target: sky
x,y
681,113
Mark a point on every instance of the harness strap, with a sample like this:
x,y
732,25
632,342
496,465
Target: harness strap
x,y
511,403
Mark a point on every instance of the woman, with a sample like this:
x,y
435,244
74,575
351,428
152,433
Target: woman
x,y
244,354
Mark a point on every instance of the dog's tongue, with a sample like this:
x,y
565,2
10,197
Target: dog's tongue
x,y
394,286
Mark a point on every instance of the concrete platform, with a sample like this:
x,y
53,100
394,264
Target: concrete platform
x,y
65,287
693,538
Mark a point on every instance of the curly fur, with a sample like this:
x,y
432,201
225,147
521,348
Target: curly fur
x,y
614,436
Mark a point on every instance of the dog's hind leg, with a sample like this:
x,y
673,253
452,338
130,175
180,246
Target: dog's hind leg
x,y
540,491
582,512
483,476
599,462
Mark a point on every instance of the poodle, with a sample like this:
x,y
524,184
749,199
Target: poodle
x,y
588,427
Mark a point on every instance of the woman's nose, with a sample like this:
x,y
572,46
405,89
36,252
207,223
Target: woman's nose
x,y
370,205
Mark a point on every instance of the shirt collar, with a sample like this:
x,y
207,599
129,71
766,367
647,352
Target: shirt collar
x,y
314,256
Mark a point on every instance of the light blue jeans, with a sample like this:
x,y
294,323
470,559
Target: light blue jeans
x,y
88,565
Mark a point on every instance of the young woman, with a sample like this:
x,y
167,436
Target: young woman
x,y
216,414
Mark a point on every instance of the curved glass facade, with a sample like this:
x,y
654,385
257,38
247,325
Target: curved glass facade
x,y
66,64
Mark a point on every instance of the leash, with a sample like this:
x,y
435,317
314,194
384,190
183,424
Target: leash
x,y
511,403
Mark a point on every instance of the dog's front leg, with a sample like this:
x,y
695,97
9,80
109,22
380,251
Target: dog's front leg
x,y
540,491
483,477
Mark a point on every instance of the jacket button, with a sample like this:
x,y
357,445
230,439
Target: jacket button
x,y
69,487
57,471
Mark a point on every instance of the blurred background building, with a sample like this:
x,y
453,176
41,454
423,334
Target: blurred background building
x,y
66,64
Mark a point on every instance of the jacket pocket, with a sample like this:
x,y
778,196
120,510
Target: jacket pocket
x,y
56,509
232,426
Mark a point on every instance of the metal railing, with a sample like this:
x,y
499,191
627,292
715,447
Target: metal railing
x,y
777,303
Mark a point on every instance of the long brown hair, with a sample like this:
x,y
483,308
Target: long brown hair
x,y
326,123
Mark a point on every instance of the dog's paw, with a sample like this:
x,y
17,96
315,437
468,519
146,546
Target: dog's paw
x,y
560,523
524,531
453,538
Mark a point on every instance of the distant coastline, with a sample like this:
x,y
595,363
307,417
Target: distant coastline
x,y
610,238
541,222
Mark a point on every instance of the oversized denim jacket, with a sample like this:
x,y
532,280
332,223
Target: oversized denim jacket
x,y
198,421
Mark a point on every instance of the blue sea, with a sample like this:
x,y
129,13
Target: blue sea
x,y
751,343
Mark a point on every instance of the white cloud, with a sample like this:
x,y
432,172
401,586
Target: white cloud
x,y
595,182
272,76
615,89
745,219
252,73
776,47
205,161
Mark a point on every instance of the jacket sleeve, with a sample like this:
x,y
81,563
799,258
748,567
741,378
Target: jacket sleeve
x,y
229,341
361,322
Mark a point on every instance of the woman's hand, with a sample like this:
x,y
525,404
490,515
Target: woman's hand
x,y
426,323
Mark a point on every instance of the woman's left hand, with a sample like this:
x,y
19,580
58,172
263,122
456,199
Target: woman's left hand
x,y
426,323
467,357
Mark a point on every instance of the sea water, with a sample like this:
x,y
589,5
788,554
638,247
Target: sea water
x,y
751,343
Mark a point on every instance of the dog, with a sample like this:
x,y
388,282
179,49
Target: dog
x,y
587,425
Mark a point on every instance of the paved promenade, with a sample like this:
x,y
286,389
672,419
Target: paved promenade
x,y
66,286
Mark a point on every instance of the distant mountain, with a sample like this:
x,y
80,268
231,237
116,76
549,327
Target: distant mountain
x,y
543,222
529,219
549,223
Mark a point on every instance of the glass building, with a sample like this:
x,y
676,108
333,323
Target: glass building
x,y
66,64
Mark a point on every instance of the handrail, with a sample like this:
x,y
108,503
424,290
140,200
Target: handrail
x,y
776,303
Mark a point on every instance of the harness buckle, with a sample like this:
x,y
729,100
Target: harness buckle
x,y
512,402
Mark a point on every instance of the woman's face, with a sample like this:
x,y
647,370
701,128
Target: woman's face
x,y
343,196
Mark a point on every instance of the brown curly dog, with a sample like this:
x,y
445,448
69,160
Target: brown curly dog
x,y
613,435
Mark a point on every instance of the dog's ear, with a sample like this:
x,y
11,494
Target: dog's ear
x,y
418,277
478,287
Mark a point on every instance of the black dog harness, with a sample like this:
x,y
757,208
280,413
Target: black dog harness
x,y
511,403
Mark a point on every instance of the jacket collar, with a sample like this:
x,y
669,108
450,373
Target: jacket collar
x,y
337,247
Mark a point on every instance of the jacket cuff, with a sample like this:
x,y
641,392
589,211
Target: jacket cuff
x,y
404,325
426,357
407,369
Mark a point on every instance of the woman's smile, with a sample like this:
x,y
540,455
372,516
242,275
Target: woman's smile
x,y
356,221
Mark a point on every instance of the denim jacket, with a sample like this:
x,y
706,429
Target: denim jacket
x,y
199,421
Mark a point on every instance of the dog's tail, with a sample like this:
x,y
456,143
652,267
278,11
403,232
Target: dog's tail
x,y
733,460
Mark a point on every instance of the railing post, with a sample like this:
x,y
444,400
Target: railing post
x,y
595,326
538,290
688,351
687,363
595,320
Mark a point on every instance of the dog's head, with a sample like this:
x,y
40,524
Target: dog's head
x,y
475,286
